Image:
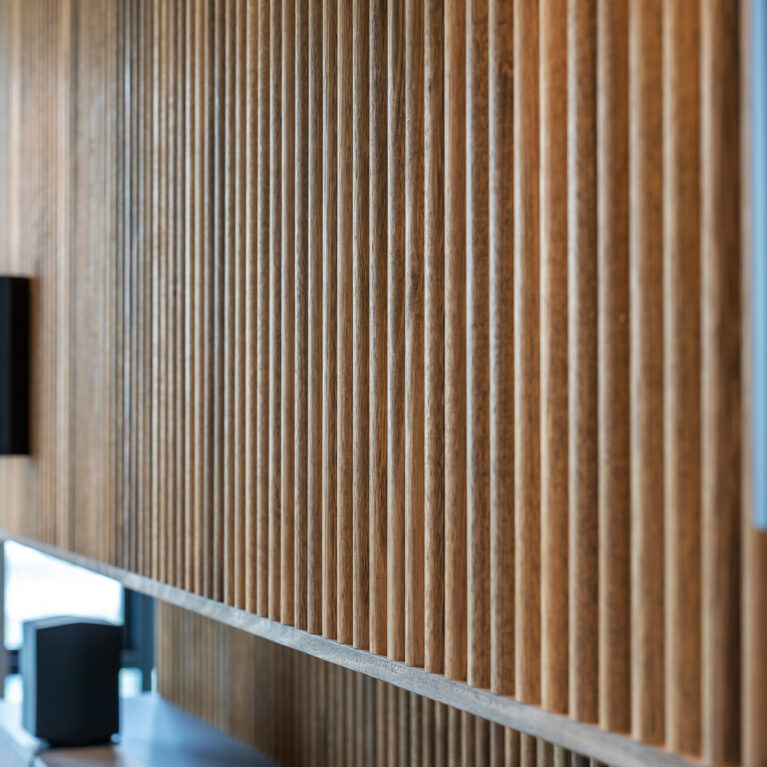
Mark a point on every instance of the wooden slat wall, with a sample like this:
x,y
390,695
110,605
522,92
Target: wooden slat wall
x,y
301,710
415,326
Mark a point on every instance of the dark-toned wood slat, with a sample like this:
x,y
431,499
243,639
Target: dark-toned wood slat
x,y
377,369
502,483
395,329
613,374
345,323
329,317
477,348
360,383
681,281
414,578
720,384
527,600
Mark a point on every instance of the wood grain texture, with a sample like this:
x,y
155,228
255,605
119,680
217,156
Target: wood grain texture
x,y
720,385
554,358
262,323
681,337
434,341
502,477
329,318
301,378
415,385
477,347
377,326
395,330
527,599
360,383
646,366
345,325
314,312
582,338
288,399
275,310
613,384
455,341
413,325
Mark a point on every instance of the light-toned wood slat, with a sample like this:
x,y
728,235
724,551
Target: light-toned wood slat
x,y
455,340
329,317
527,616
646,366
275,309
262,323
251,309
231,332
181,500
554,358
395,325
219,254
681,338
361,325
720,384
502,476
241,257
377,369
434,341
208,307
477,349
314,528
345,498
189,403
613,376
414,341
287,431
582,338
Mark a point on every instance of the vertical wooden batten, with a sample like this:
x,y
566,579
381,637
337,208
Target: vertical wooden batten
x,y
501,224
455,341
583,362
613,374
681,338
527,600
720,384
646,370
434,341
477,346
554,358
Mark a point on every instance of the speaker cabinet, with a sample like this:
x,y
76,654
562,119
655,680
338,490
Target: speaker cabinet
x,y
70,668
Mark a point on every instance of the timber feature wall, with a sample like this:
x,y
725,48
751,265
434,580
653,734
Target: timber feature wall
x,y
417,327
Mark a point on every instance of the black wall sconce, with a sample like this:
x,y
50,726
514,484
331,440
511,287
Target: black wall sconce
x,y
14,365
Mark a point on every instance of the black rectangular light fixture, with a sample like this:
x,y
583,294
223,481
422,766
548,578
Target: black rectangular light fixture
x,y
14,365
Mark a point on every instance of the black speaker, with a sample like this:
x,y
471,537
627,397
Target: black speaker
x,y
70,669
14,365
